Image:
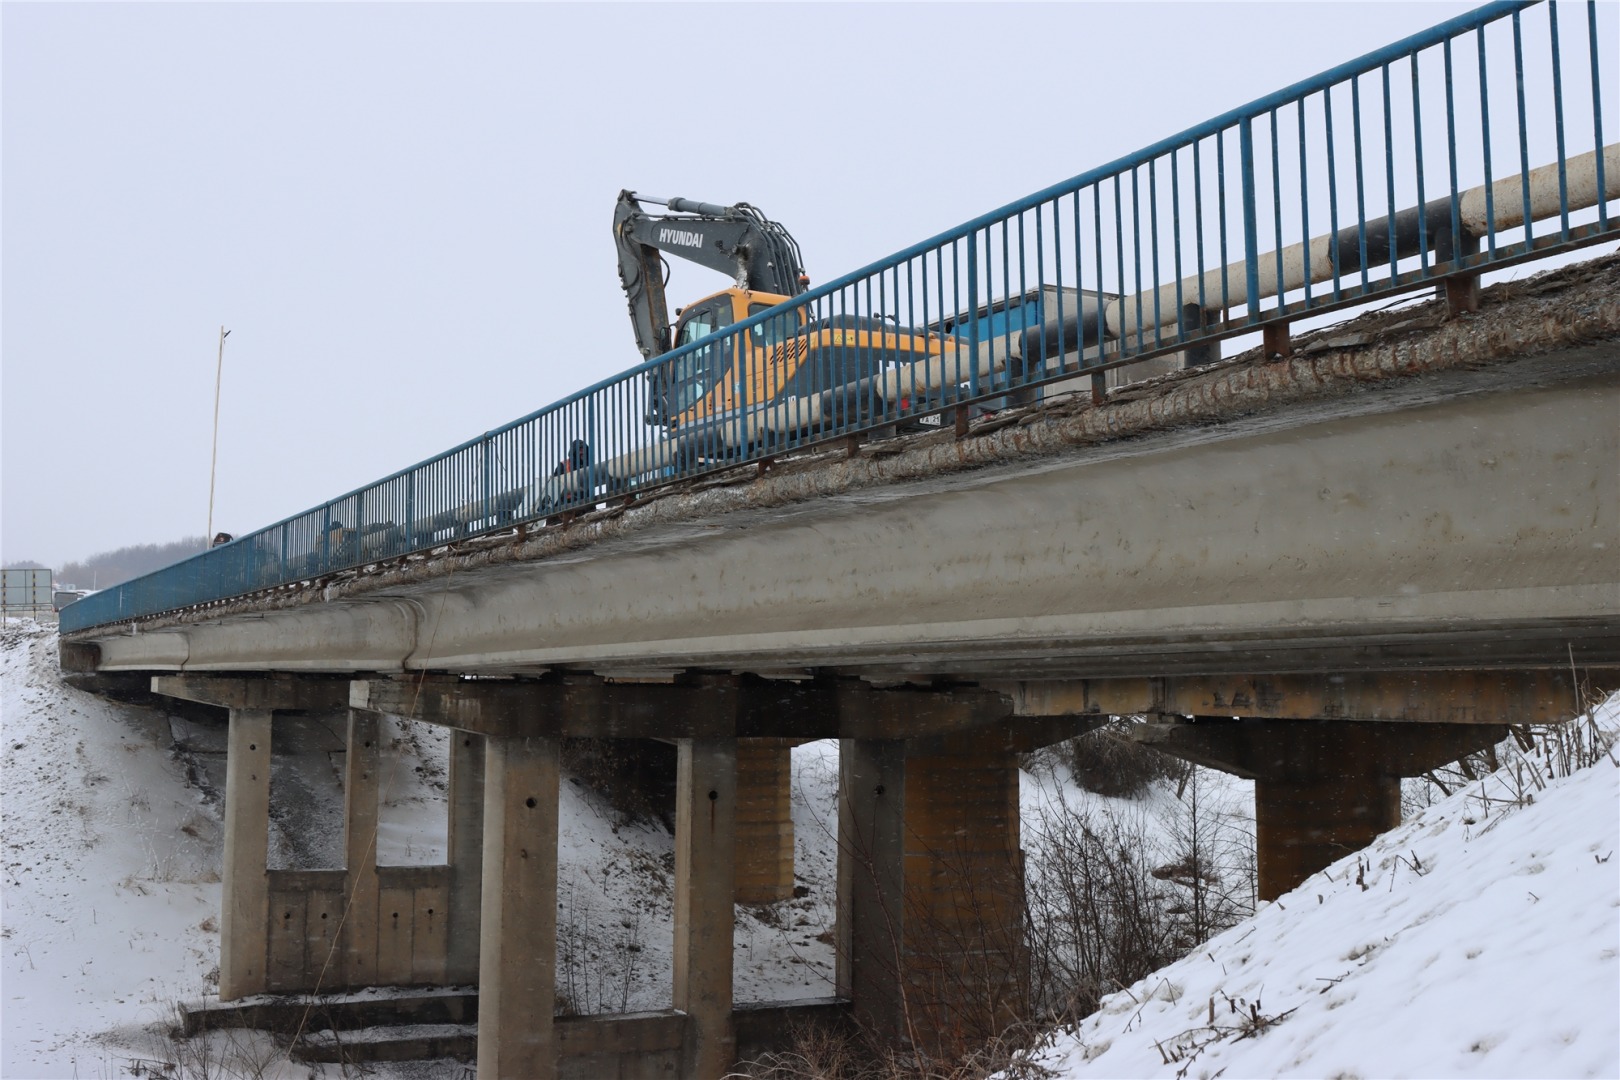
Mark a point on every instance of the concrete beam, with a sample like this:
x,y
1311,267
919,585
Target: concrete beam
x,y
1017,735
78,657
518,930
244,889
1540,696
705,883
702,706
314,693
1293,750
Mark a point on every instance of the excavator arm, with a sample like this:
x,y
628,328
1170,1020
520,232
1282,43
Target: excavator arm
x,y
736,240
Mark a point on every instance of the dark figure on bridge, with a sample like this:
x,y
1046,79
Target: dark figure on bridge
x,y
579,457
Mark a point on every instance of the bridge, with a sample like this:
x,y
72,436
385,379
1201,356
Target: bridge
x,y
1349,553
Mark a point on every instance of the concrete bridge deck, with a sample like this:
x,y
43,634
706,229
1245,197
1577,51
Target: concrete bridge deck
x,y
1402,492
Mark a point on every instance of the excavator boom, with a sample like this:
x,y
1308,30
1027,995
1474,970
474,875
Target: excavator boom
x,y
738,241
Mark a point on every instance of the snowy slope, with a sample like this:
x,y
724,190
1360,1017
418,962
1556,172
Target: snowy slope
x,y
1478,939
111,893
111,888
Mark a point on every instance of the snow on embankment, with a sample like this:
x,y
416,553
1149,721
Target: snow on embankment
x,y
1481,938
110,901
111,888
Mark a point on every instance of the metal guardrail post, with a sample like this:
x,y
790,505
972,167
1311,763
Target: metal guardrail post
x,y
961,413
1251,230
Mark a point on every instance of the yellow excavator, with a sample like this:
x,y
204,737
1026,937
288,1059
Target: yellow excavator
x,y
787,375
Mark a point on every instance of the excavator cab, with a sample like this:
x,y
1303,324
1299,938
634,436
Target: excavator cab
x,y
786,375
735,372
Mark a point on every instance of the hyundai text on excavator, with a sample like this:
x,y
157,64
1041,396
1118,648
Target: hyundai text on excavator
x,y
788,359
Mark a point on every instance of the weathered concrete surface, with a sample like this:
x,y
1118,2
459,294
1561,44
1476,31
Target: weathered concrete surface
x,y
465,854
764,820
360,819
870,926
1400,493
244,888
518,928
705,883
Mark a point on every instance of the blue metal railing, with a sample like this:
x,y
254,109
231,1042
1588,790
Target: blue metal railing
x,y
1196,238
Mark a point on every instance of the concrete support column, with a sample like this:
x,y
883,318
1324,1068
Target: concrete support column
x,y
871,919
360,789
245,902
1302,826
964,899
705,882
764,820
466,855
518,928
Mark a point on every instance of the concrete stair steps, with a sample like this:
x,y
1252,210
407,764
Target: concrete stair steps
x,y
346,1012
401,1042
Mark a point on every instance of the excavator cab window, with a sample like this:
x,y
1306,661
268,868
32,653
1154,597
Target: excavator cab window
x,y
773,332
694,375
701,320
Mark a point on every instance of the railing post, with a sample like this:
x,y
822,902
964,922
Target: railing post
x,y
1461,291
484,470
410,510
961,412
589,495
1193,318
1251,230
325,547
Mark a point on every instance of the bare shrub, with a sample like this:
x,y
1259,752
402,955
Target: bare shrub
x,y
1098,918
1108,761
635,776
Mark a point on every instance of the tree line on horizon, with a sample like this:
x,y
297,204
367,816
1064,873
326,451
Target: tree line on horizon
x,y
108,568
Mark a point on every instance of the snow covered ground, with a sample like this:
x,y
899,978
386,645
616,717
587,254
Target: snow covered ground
x,y
111,890
1481,938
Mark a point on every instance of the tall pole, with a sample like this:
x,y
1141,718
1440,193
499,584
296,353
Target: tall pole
x,y
213,461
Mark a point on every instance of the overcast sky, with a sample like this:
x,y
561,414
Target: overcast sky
x,y
401,211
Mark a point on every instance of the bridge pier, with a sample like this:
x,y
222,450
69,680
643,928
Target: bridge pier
x,y
930,887
517,982
244,925
764,820
705,884
929,915
465,855
360,817
1323,788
